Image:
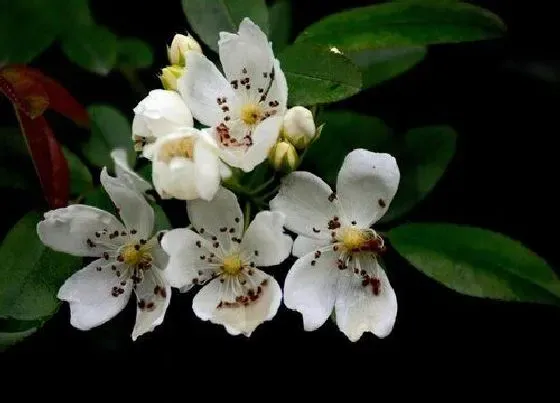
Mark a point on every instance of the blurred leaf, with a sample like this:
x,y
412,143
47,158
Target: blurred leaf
x,y
280,21
16,167
477,262
209,17
134,54
27,28
97,197
31,274
80,177
343,132
109,129
161,220
317,75
384,64
423,156
93,48
13,331
23,90
404,23
8,339
48,159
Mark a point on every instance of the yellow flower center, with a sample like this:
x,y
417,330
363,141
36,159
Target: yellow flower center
x,y
135,255
251,114
182,147
232,265
354,238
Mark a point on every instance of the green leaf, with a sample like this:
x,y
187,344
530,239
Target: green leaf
x,y
31,273
209,17
13,331
343,132
280,19
93,48
133,53
380,65
410,23
423,156
80,177
318,75
109,129
477,262
161,221
97,197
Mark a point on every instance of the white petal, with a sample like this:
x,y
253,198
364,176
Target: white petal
x,y
304,245
201,86
133,209
185,264
160,113
278,90
264,242
359,310
240,319
127,174
366,185
221,217
68,230
206,169
246,54
310,288
153,297
159,256
264,138
89,292
305,200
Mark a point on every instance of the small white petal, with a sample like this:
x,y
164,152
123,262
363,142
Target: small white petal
x,y
185,263
304,245
206,169
359,310
310,288
305,200
134,210
127,174
246,54
153,297
201,86
366,185
217,217
264,242
89,292
240,319
279,89
264,138
68,229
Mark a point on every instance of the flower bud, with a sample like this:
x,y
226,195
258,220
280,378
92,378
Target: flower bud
x,y
299,127
283,157
169,76
180,45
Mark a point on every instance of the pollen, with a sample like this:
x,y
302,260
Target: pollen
x,y
251,114
182,147
232,265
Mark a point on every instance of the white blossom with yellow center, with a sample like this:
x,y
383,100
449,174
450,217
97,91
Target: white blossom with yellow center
x,y
128,257
338,266
218,254
246,107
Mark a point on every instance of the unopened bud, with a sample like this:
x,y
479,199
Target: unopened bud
x,y
283,157
169,76
180,45
299,127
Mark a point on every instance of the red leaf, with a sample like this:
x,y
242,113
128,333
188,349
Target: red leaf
x,y
60,99
49,161
24,91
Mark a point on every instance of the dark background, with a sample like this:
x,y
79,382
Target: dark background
x,y
503,178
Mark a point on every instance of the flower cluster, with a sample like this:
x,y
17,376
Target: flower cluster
x,y
243,122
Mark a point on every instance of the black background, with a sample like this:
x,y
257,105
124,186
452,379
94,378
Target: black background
x,y
503,178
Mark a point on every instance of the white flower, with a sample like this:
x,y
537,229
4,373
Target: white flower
x,y
126,174
298,127
244,109
128,257
337,250
180,46
186,165
160,113
222,256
